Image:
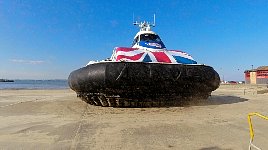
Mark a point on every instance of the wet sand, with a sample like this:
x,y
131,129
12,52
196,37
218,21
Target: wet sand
x,y
56,119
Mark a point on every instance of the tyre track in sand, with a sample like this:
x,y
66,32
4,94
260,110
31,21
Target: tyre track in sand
x,y
80,131
20,102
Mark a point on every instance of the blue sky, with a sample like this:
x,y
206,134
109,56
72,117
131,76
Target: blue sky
x,y
49,39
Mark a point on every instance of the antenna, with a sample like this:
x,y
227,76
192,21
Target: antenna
x,y
154,21
133,18
144,26
135,22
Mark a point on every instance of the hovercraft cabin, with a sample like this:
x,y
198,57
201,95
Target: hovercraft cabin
x,y
257,76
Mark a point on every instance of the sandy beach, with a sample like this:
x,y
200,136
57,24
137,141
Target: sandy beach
x,y
57,119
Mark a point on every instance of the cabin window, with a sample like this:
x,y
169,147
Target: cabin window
x,y
150,37
135,41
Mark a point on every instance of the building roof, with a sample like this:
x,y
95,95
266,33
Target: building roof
x,y
262,68
255,70
252,70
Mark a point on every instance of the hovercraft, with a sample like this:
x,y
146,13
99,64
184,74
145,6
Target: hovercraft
x,y
144,75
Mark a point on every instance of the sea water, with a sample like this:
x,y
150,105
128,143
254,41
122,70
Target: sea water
x,y
35,84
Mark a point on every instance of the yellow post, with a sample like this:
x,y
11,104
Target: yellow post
x,y
251,131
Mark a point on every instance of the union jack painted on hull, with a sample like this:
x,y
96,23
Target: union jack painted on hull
x,y
152,56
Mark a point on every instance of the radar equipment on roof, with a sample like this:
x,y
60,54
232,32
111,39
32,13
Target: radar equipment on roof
x,y
144,26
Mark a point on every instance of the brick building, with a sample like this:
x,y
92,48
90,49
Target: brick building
x,y
257,76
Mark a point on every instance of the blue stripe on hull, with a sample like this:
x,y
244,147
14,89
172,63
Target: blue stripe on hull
x,y
184,60
147,59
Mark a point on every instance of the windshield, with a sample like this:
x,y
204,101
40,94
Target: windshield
x,y
150,37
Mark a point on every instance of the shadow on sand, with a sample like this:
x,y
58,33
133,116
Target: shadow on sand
x,y
212,100
216,100
213,148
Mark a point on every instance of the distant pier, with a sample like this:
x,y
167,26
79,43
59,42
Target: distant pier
x,y
6,80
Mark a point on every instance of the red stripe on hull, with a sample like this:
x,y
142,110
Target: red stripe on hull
x,y
125,49
161,57
135,57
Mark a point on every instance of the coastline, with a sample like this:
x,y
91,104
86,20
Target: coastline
x,y
57,119
34,84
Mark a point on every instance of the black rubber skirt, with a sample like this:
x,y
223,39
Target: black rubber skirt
x,y
141,80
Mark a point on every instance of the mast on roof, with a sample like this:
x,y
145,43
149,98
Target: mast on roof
x,y
145,25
